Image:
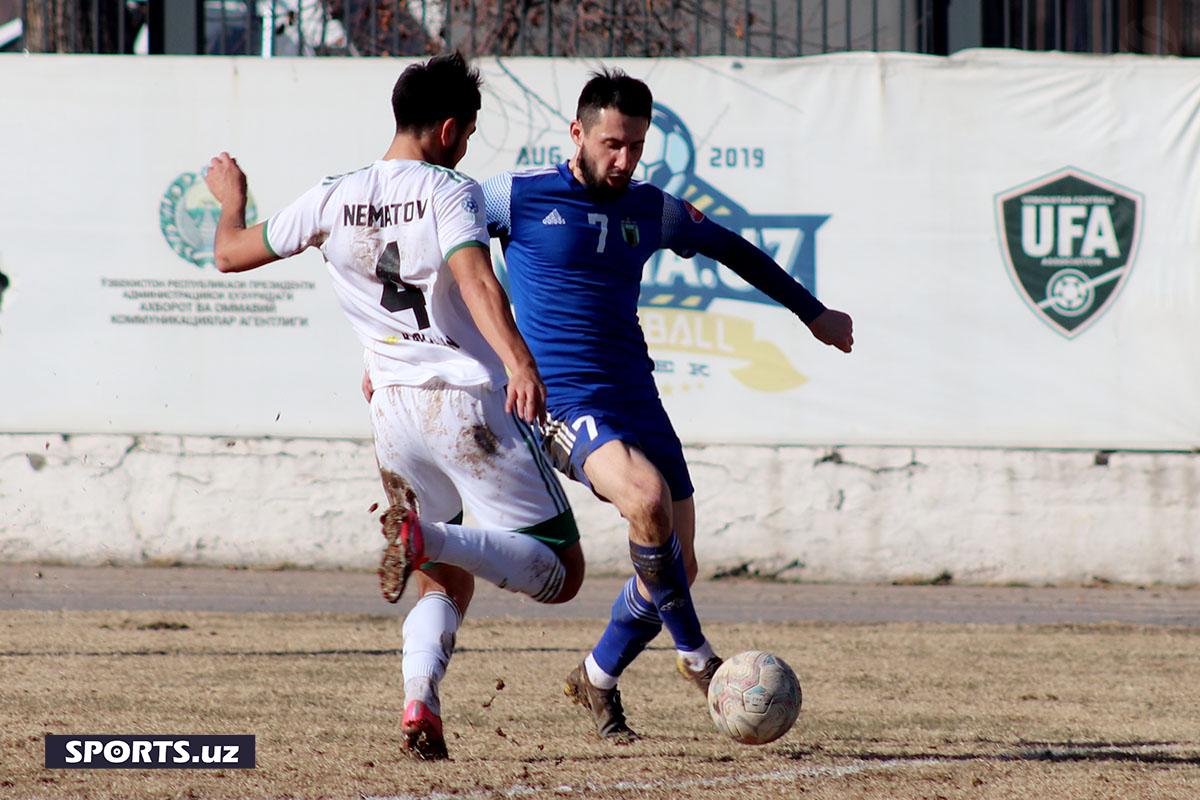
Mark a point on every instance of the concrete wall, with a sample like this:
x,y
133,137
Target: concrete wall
x,y
845,514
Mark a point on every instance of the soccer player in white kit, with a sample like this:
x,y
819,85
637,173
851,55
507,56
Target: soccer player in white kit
x,y
406,244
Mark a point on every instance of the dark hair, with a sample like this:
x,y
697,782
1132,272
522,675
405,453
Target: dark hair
x,y
612,88
429,93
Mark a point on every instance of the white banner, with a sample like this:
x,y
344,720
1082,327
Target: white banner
x,y
1017,236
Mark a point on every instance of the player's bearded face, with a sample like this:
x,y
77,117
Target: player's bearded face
x,y
609,151
596,179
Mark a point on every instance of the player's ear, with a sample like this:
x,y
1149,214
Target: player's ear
x,y
577,132
448,133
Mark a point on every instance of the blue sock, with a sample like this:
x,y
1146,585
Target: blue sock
x,y
633,625
661,570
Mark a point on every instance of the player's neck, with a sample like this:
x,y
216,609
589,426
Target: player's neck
x,y
411,148
576,170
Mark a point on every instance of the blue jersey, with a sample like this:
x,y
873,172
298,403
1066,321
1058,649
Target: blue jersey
x,y
575,271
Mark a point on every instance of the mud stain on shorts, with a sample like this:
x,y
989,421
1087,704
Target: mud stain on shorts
x,y
477,448
485,440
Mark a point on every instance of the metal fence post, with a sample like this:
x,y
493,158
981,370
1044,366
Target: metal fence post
x,y
724,25
746,20
849,39
874,24
774,29
824,26
1162,29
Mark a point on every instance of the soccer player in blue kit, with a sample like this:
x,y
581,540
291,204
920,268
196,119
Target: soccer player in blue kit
x,y
576,237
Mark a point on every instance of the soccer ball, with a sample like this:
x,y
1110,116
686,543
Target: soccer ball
x,y
669,156
754,697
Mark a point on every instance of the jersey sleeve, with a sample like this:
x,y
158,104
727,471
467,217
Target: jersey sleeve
x,y
458,209
688,232
682,226
497,195
301,224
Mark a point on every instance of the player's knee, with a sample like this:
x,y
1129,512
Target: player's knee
x,y
648,509
572,561
692,568
652,517
569,589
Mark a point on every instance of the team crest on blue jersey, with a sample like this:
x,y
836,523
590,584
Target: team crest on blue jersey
x,y
187,216
629,230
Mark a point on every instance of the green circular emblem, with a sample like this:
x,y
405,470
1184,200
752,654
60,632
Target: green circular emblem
x,y
188,214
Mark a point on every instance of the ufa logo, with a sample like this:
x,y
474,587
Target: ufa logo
x,y
1069,241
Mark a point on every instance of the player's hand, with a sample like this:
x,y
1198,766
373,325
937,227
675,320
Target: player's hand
x,y
226,180
834,328
368,389
526,395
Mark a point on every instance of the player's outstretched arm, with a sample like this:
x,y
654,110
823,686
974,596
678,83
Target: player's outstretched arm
x,y
834,328
489,307
237,248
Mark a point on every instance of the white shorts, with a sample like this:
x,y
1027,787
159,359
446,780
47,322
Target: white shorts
x,y
457,447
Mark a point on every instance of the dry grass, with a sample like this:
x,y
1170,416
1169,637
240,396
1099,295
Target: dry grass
x,y
895,711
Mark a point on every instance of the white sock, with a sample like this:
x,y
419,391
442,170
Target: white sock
x,y
513,561
429,631
696,659
596,676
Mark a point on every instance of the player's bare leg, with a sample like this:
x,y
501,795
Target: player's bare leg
x,y
430,630
574,571
624,476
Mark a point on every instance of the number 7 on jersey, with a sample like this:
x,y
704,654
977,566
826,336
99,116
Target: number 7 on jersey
x,y
602,221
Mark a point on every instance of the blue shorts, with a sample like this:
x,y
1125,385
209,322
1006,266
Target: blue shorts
x,y
574,433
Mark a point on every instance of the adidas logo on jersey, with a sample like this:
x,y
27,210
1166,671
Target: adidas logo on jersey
x,y
554,218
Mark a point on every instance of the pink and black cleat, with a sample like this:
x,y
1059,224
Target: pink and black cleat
x,y
422,731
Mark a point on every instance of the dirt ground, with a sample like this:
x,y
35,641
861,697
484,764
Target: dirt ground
x,y
891,710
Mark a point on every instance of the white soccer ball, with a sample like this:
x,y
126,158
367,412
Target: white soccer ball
x,y
754,697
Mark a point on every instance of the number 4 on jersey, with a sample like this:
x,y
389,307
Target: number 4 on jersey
x,y
398,295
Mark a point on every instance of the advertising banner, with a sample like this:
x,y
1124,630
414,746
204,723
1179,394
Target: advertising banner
x,y
1017,236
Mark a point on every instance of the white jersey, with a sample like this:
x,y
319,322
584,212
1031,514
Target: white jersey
x,y
386,232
